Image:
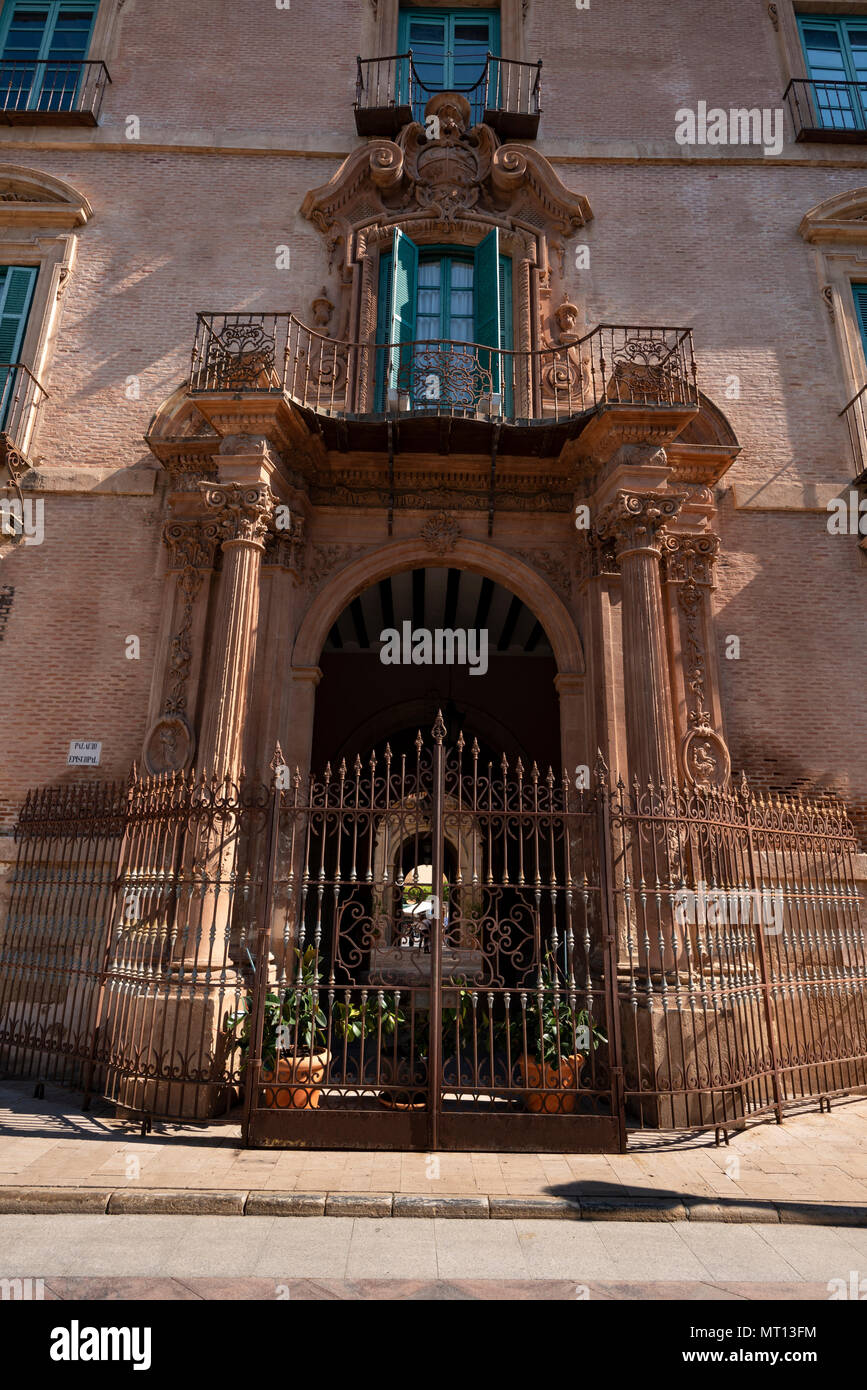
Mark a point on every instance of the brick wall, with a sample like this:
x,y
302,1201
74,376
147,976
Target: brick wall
x,y
241,114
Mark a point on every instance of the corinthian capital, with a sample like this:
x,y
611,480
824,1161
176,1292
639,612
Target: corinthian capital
x,y
242,512
689,559
636,520
191,544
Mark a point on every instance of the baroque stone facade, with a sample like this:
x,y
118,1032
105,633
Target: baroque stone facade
x,y
706,519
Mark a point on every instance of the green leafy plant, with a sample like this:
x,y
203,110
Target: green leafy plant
x,y
554,1028
294,1019
381,1009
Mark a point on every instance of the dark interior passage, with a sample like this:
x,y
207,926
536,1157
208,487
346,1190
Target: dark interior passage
x,y
512,708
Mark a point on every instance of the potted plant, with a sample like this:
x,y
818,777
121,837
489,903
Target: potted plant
x,y
389,1060
557,1047
294,1053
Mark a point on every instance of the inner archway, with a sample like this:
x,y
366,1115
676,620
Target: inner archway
x,y
438,639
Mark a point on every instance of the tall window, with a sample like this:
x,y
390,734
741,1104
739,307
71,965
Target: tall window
x,y
432,301
859,294
449,52
42,47
836,54
16,295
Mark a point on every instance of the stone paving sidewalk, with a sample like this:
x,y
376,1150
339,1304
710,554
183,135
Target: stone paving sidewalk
x,y
811,1168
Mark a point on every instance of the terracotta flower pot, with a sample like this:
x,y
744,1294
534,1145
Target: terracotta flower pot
x,y
551,1089
294,1075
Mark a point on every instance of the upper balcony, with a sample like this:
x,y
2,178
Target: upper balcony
x,y
390,93
52,92
447,396
825,110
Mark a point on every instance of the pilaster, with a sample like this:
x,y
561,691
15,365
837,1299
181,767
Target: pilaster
x,y
688,562
635,521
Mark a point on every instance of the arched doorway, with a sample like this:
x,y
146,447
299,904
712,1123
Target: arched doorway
x,y
430,640
437,941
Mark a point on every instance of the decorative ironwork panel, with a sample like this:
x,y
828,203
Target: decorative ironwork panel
x,y
439,955
743,966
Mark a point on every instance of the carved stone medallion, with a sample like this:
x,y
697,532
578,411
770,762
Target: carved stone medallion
x,y
170,745
706,759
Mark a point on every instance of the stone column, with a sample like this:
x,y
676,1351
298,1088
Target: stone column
x,y
636,522
218,877
243,513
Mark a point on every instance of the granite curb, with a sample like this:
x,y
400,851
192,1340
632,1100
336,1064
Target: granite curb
x,y
43,1201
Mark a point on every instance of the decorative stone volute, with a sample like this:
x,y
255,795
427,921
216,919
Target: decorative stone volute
x,y
192,544
689,559
242,513
462,169
455,186
636,521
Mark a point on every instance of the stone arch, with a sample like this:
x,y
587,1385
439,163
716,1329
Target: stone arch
x,y
842,217
710,426
487,560
33,197
179,418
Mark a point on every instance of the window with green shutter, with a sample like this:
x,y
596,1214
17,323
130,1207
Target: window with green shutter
x,y
859,294
16,295
431,301
42,46
835,48
449,51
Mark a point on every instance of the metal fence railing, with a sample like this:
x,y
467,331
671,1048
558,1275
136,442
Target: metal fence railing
x,y
707,947
743,966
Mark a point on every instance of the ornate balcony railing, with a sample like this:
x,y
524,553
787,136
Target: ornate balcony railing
x,y
855,415
822,110
276,353
52,91
389,93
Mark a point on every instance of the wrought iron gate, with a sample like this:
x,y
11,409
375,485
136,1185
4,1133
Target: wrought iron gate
x,y
436,973
435,950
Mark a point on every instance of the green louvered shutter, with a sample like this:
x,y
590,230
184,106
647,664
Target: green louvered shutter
x,y
16,294
404,298
506,341
859,294
486,290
